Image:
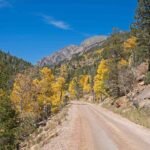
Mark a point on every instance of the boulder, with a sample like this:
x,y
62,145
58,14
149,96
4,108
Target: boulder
x,y
144,94
141,83
141,70
144,103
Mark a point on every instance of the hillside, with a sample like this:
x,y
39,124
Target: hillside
x,y
68,52
9,67
86,62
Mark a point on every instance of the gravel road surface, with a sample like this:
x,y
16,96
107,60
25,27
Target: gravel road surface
x,y
91,127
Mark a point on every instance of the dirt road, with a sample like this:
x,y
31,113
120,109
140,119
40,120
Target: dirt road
x,y
90,127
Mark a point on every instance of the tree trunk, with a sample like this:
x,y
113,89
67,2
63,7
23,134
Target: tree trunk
x,y
93,95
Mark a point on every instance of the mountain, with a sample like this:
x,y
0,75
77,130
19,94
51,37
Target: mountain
x,y
10,66
67,52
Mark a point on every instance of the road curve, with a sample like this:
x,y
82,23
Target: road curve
x,y
91,127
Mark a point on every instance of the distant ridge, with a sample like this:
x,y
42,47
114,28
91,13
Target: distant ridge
x,y
67,52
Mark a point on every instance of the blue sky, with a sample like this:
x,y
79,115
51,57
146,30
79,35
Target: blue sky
x,y
31,29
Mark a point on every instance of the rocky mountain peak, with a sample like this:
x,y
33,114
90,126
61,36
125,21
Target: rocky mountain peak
x,y
93,40
66,53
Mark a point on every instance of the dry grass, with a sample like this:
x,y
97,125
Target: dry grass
x,y
139,116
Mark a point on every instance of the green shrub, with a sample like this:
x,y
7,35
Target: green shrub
x,y
27,126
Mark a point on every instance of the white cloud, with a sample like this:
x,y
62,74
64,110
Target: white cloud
x,y
60,24
4,3
57,23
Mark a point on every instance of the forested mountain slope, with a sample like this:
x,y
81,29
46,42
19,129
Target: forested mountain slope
x,y
10,66
68,52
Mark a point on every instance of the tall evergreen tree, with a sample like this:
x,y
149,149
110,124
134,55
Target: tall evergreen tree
x,y
114,52
8,124
143,27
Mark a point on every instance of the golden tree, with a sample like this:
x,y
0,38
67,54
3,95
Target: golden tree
x,y
129,47
21,93
45,86
58,89
75,88
63,71
122,63
85,82
130,43
72,89
101,78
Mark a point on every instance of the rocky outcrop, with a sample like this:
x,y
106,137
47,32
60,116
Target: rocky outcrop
x,y
140,72
67,52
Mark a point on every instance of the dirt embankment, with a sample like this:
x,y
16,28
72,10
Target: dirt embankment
x,y
44,133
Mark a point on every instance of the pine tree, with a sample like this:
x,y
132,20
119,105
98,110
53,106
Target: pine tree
x,y
143,27
115,54
8,124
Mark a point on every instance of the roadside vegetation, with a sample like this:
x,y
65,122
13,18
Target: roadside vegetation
x,y
138,115
30,95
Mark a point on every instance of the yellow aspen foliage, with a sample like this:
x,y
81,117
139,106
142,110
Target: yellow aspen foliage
x,y
58,88
22,93
85,83
129,47
32,94
45,86
101,78
47,74
123,63
59,84
63,71
35,83
130,43
72,88
100,51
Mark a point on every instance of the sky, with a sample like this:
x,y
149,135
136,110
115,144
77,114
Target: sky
x,y
32,29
